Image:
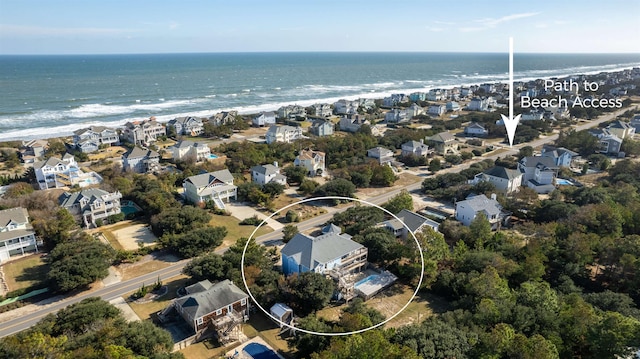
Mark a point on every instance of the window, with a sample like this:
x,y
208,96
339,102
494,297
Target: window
x,y
219,311
200,321
243,301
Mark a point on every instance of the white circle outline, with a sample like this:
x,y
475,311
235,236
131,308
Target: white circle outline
x,y
244,279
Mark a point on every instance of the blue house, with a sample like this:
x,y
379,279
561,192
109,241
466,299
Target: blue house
x,y
332,252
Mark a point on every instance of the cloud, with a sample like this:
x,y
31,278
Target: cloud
x,y
489,23
444,22
20,30
173,25
435,29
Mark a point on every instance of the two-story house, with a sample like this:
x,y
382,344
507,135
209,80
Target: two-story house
x,y
184,150
352,123
143,132
345,107
323,110
284,134
292,112
65,172
140,160
621,129
538,173
321,128
467,210
475,129
264,119
17,237
561,156
382,155
264,174
90,205
313,161
397,116
89,139
214,186
437,110
33,150
443,143
221,306
504,179
415,148
188,126
223,118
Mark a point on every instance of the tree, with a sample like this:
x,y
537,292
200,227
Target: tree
x,y
525,151
18,189
179,220
358,218
78,263
370,344
295,174
480,231
210,266
630,147
197,241
401,201
435,165
145,339
336,187
273,189
292,216
435,339
308,292
383,176
381,244
308,186
288,232
579,141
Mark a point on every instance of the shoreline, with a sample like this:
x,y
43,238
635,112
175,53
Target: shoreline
x,y
68,129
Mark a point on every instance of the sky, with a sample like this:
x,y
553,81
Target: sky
x,y
159,26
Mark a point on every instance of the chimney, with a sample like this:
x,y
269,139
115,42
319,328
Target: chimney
x,y
422,141
275,163
493,196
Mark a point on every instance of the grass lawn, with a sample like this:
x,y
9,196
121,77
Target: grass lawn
x,y
25,272
235,230
390,301
144,310
267,330
132,270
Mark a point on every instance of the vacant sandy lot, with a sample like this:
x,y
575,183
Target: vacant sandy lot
x,y
130,236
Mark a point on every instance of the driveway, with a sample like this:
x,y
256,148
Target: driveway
x,y
242,211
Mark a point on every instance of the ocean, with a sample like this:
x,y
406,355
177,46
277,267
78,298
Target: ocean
x,y
47,96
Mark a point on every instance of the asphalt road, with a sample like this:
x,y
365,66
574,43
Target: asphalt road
x,y
120,289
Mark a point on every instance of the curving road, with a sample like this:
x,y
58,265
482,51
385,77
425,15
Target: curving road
x,y
119,289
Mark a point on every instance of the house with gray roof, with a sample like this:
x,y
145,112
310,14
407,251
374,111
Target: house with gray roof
x,y
475,129
143,132
141,160
415,148
221,307
320,127
65,172
332,253
621,129
188,126
443,143
264,119
184,150
414,222
89,139
467,210
504,179
211,186
17,236
381,155
285,133
90,205
562,156
264,174
538,173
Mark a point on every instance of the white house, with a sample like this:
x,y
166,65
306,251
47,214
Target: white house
x,y
561,156
267,173
91,204
323,110
476,130
621,129
264,119
538,173
33,150
453,106
140,160
415,148
436,110
215,186
284,134
313,161
188,126
478,104
345,107
292,111
467,210
16,234
397,116
184,150
65,172
381,155
89,139
504,179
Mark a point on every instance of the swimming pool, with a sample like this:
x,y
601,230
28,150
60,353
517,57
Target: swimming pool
x,y
212,156
563,182
371,285
259,351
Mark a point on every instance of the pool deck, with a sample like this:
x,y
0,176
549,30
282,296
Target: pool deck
x,y
242,355
375,284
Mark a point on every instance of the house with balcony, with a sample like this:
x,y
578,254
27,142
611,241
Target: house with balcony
x,y
264,119
345,107
352,123
91,205
478,104
17,237
292,112
313,161
414,222
561,156
185,150
286,134
141,160
437,110
323,110
223,118
467,210
188,126
504,179
332,253
321,128
33,150
212,186
90,139
415,148
382,155
635,123
538,173
264,174
621,129
143,133
397,116
65,172
219,307
443,143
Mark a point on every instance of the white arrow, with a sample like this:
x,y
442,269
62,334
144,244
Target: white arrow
x,y
509,122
